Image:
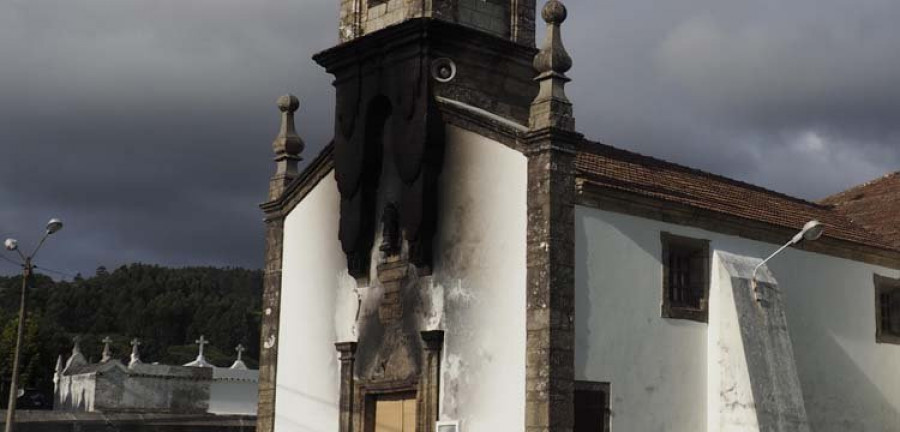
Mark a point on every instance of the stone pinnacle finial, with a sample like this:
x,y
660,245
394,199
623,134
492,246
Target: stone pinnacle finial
x,y
552,108
287,147
239,364
107,354
135,354
553,56
288,102
76,358
57,372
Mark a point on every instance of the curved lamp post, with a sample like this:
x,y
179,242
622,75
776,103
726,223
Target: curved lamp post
x,y
811,231
12,245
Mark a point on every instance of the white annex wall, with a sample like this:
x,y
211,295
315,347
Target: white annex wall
x,y
234,391
657,367
480,272
307,382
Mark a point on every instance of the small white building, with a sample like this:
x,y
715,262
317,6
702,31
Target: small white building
x,y
459,254
195,388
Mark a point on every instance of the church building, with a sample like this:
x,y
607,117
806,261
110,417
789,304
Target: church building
x,y
460,259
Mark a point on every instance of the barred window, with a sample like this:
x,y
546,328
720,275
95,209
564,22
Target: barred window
x,y
685,263
887,310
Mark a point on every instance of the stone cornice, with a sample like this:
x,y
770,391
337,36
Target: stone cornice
x,y
410,32
480,124
301,186
523,141
605,198
551,139
493,74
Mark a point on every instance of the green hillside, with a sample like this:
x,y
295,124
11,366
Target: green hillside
x,y
166,308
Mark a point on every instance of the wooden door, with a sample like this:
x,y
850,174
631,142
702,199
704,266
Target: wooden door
x,y
395,413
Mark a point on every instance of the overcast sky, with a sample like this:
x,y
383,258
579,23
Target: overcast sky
x,y
147,124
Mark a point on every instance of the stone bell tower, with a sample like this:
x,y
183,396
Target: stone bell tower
x,y
509,19
402,69
400,63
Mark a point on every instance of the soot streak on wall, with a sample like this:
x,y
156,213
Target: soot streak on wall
x,y
475,292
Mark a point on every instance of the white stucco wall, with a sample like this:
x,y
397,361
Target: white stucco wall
x,y
729,396
75,393
234,391
307,380
476,294
658,367
480,272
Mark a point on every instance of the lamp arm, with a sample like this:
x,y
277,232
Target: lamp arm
x,y
786,245
21,255
40,243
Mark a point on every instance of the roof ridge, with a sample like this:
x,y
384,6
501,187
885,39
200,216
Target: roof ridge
x,y
633,154
829,200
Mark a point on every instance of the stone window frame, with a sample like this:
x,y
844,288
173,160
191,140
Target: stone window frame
x,y
668,310
890,286
596,386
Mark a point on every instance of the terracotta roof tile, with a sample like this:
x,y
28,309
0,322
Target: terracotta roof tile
x,y
614,168
874,205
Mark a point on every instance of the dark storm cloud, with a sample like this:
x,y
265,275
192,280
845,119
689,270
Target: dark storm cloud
x,y
147,125
797,96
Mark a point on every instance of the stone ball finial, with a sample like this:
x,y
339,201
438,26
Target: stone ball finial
x,y
287,144
554,12
288,103
553,58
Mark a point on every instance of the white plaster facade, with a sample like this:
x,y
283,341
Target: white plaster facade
x,y
233,392
112,387
658,368
313,267
475,294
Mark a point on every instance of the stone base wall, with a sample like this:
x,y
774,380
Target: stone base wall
x,y
54,421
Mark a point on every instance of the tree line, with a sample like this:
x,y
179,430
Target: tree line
x,y
166,308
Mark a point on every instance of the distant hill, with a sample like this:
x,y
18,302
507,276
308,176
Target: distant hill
x,y
167,308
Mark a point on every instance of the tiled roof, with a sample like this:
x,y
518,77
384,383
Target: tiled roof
x,y
613,168
874,205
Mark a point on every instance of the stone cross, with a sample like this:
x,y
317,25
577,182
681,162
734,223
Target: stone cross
x,y
107,354
240,350
135,355
202,342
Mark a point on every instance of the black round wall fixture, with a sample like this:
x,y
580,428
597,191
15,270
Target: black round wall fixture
x,y
443,70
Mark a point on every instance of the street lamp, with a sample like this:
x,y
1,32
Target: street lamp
x,y
810,232
12,245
